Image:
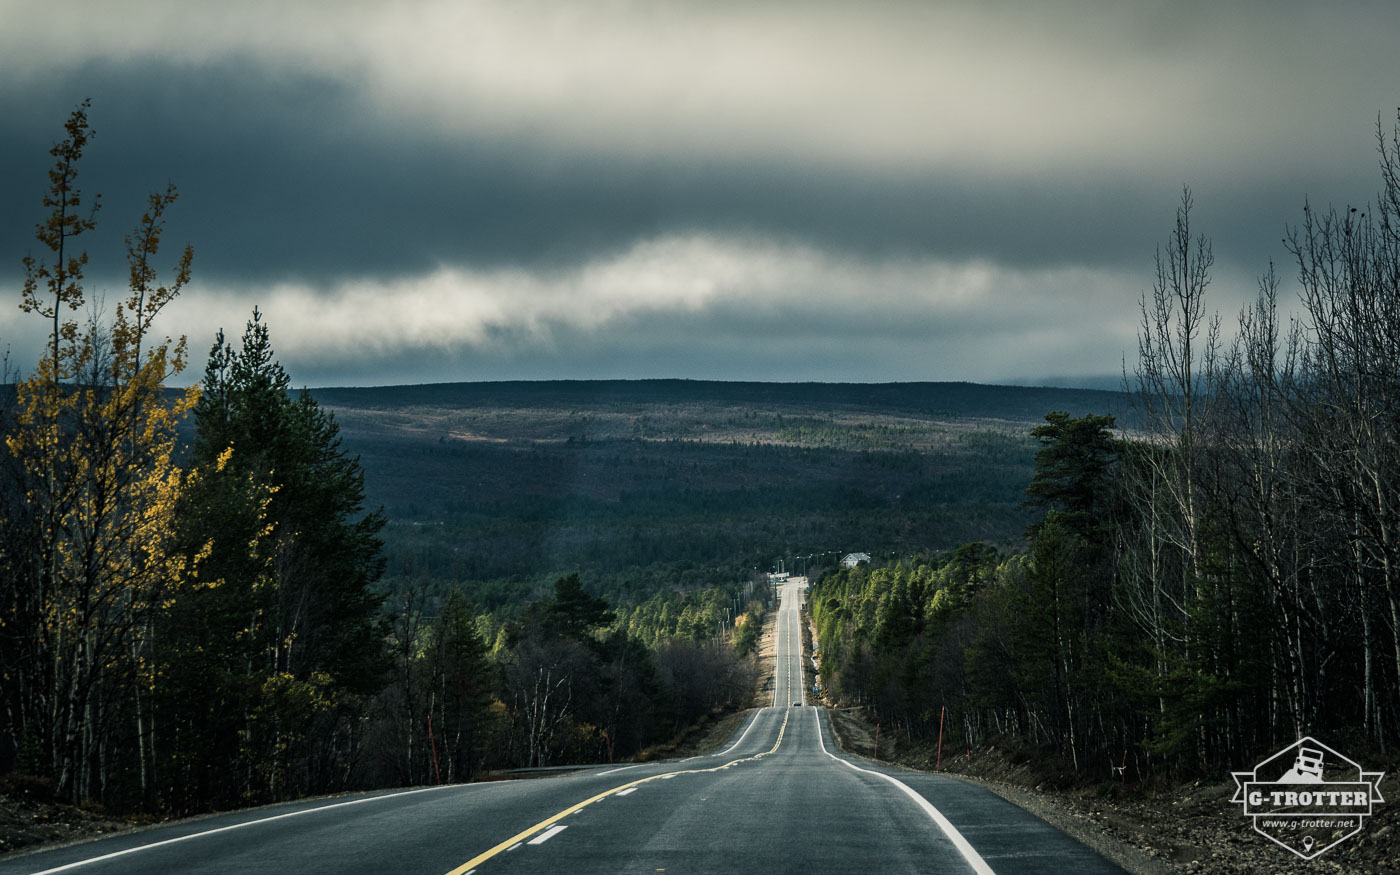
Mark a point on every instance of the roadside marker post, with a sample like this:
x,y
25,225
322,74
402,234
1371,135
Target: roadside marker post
x,y
938,766
433,744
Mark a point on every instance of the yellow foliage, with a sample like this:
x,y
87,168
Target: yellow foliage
x,y
96,436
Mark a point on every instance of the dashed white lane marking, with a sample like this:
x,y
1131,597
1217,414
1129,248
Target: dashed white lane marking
x,y
514,841
625,792
547,834
969,853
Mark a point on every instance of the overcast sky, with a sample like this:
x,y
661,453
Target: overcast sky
x,y
439,191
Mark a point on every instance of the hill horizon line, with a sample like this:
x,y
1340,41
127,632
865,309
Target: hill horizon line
x,y
959,399
697,381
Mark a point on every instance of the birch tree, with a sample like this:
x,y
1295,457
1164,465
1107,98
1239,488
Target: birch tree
x,y
94,438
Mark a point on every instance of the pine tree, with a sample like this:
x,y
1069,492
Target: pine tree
x,y
287,580
463,688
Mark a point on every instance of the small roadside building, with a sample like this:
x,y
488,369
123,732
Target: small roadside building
x,y
851,560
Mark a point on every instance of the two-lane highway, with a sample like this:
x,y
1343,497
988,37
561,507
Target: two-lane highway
x,y
788,687
776,798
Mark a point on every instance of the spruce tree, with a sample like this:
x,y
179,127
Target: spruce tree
x,y
286,605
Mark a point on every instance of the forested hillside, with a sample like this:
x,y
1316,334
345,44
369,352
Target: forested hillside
x,y
643,484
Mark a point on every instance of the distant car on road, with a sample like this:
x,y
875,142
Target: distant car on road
x,y
797,704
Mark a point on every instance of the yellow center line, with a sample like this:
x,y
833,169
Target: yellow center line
x,y
544,824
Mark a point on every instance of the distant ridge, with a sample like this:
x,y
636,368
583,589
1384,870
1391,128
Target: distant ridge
x,y
941,399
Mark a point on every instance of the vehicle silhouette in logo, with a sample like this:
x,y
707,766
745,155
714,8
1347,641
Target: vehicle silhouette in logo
x,y
1307,768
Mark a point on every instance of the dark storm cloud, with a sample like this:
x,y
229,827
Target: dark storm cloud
x,y
523,173
291,176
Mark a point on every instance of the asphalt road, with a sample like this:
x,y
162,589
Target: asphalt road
x,y
776,799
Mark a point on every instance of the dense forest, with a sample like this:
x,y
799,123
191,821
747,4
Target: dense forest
x,y
674,505
187,625
497,488
504,485
1210,588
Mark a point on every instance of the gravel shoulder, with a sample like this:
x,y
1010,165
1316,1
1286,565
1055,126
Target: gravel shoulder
x,y
1185,828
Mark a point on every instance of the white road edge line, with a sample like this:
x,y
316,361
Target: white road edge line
x,y
969,853
547,834
752,721
623,769
208,832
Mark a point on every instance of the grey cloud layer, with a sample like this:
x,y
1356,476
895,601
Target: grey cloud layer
x,y
323,147
291,176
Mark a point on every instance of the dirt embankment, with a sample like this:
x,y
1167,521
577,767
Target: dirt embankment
x,y
1189,828
30,817
767,659
706,736
811,655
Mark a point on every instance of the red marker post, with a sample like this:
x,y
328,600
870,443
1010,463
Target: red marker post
x,y
938,766
433,745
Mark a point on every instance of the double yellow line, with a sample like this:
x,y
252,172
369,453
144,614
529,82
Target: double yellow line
x,y
550,821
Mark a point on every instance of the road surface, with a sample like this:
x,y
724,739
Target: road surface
x,y
777,798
